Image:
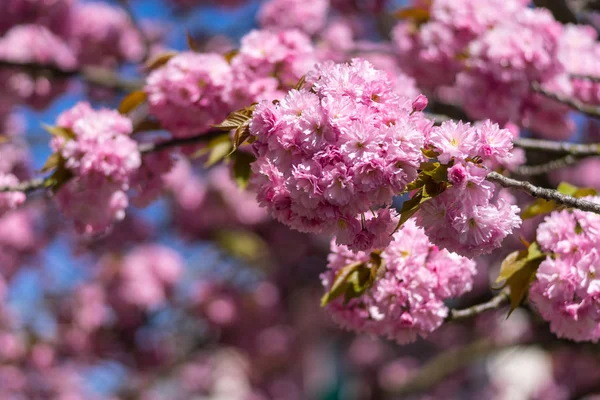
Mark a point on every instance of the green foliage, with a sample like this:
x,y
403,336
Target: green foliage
x,y
132,101
355,279
518,271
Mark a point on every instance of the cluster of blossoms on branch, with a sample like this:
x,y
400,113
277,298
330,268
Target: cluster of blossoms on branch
x,y
329,153
407,300
567,289
487,55
196,90
102,158
467,218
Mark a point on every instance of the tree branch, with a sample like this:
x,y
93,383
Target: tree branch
x,y
589,110
595,79
532,170
94,75
494,303
144,148
549,146
542,193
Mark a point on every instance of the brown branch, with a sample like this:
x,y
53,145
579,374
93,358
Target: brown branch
x,y
532,170
560,9
94,75
595,79
586,109
550,146
144,148
543,193
493,304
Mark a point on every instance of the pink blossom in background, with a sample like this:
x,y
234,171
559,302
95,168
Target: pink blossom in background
x,y
580,53
33,44
328,155
308,16
567,288
102,157
407,301
190,93
148,181
193,193
102,34
147,274
270,63
582,174
52,14
431,52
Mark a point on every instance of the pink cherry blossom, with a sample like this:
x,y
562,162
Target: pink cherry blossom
x,y
407,301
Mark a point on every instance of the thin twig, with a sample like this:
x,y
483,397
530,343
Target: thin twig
x,y
543,193
595,79
532,170
549,146
589,110
493,304
94,75
144,148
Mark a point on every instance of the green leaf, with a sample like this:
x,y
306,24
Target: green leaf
x,y
59,131
230,55
439,173
245,245
58,178
241,168
539,207
566,188
429,153
132,101
419,15
410,207
218,148
191,42
237,119
159,60
342,282
52,162
518,271
300,83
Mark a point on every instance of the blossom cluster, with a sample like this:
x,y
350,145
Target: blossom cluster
x,y
269,63
431,50
147,275
488,55
102,158
102,34
466,218
196,90
33,44
566,291
580,53
332,152
190,93
52,14
407,301
307,16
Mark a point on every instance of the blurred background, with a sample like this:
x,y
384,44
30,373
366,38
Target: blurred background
x,y
200,295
